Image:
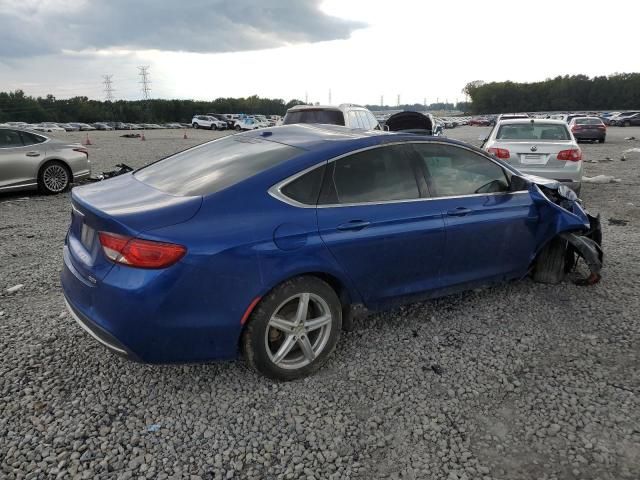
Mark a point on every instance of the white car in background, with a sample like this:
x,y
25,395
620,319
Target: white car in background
x,y
544,148
247,123
207,121
48,127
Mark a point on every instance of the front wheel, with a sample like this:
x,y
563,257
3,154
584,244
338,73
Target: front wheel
x,y
196,126
213,127
54,177
238,128
294,329
551,264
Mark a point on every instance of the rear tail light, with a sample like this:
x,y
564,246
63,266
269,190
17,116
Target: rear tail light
x,y
500,152
573,155
82,150
135,252
576,127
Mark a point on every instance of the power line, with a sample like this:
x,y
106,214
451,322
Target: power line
x,y
143,71
108,87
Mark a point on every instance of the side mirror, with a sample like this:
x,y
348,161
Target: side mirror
x,y
518,183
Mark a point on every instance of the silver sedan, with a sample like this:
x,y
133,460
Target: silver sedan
x,y
544,148
29,160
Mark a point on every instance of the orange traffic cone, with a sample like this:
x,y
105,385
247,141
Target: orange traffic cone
x,y
142,137
184,137
87,141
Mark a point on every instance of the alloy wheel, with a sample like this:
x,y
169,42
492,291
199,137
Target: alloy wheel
x,y
298,331
55,178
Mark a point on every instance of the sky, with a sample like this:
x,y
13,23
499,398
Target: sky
x,y
356,51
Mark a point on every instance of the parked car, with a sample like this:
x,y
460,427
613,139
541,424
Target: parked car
x,y
122,126
48,127
588,128
480,122
349,115
247,123
29,160
223,118
545,148
313,221
69,128
172,125
626,119
207,121
413,122
102,126
85,127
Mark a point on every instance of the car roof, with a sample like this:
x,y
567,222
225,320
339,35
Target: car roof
x,y
314,107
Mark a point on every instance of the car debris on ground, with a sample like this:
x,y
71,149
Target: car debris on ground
x,y
121,169
601,179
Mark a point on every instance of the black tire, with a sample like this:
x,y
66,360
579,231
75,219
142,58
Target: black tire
x,y
601,140
54,177
213,126
254,344
196,126
550,266
238,128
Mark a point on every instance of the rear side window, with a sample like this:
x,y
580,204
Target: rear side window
x,y
455,171
306,188
31,138
332,117
9,138
533,131
214,166
377,175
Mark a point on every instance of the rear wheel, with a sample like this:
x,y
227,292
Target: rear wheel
x,y
601,140
196,126
238,128
294,329
54,177
550,266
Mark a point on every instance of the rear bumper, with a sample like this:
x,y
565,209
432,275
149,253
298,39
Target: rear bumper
x,y
153,316
589,135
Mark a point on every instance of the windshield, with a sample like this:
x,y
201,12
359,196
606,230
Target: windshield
x,y
529,131
333,117
214,166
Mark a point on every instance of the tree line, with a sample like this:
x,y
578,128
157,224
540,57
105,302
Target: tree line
x,y
19,107
563,93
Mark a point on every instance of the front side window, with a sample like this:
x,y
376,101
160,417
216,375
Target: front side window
x,y
9,139
216,165
378,175
455,171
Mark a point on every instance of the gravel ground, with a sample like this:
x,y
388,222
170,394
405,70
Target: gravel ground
x,y
522,381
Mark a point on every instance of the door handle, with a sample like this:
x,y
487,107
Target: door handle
x,y
459,212
32,154
353,225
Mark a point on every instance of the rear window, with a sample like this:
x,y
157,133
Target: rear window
x,y
533,131
214,166
588,121
332,117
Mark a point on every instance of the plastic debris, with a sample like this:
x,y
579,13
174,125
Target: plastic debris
x,y
153,428
15,288
601,179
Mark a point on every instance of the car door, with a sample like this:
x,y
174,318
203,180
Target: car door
x,y
18,162
490,230
374,218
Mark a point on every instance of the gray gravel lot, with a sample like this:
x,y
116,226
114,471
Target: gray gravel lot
x,y
521,381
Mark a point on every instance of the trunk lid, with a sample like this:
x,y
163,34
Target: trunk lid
x,y
124,206
532,154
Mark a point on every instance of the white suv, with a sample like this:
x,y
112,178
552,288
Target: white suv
x,y
207,121
352,116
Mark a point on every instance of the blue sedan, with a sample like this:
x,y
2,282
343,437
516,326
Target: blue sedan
x,y
266,242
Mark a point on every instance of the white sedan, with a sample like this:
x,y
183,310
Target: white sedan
x,y
544,148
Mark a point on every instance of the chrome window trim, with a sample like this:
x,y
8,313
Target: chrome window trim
x,y
276,190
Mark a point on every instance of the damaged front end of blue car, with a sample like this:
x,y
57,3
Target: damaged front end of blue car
x,y
576,232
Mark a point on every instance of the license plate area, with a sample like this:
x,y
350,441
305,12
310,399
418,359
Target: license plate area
x,y
533,159
87,236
